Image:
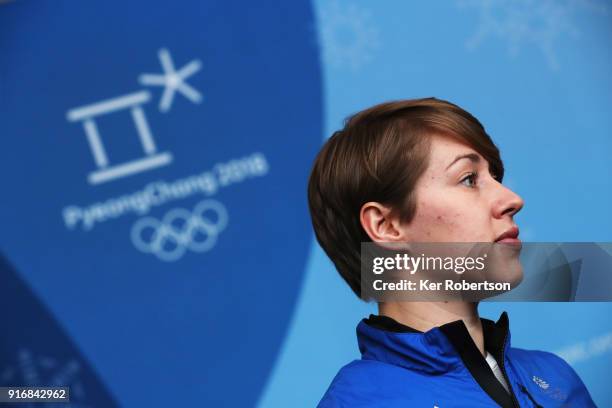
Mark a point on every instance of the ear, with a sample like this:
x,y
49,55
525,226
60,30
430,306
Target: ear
x,y
380,223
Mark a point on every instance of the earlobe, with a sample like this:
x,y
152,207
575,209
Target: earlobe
x,y
380,223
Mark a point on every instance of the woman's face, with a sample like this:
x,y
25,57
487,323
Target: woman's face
x,y
458,200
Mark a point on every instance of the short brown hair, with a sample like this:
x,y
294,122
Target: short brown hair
x,y
378,156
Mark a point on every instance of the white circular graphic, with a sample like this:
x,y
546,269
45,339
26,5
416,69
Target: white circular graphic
x,y
180,230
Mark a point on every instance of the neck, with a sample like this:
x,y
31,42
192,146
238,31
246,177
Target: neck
x,y
424,316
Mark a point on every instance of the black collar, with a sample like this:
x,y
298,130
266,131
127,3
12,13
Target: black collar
x,y
496,337
387,323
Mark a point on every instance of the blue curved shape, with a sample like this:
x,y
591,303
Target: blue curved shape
x,y
88,128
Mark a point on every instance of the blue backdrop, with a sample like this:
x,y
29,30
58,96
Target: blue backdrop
x,y
156,245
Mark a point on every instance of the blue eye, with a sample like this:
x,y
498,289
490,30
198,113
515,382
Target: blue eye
x,y
470,180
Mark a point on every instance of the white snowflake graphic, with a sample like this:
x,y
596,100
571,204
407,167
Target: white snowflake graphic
x,y
173,81
541,23
588,349
32,370
347,36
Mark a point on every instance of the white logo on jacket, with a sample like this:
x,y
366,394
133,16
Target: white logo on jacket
x,y
541,383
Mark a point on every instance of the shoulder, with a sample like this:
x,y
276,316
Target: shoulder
x,y
364,375
542,360
364,383
342,391
551,373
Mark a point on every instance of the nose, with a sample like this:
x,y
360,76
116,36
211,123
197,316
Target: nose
x,y
506,202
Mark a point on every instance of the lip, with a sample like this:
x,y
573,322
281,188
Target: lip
x,y
510,236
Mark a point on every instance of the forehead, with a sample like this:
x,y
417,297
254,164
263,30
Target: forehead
x,y
444,148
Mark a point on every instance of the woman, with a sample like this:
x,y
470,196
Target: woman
x,y
425,170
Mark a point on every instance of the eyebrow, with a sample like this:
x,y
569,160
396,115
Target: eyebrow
x,y
473,157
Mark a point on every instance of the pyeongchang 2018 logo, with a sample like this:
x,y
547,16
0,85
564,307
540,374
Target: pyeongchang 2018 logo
x,y
173,81
179,230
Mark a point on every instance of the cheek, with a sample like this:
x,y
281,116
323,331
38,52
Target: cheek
x,y
442,218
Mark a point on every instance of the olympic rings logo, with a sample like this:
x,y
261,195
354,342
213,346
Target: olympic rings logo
x,y
180,230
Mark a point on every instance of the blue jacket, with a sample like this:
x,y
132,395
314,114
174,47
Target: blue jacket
x,y
402,367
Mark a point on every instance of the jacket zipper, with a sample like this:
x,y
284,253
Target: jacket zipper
x,y
503,368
